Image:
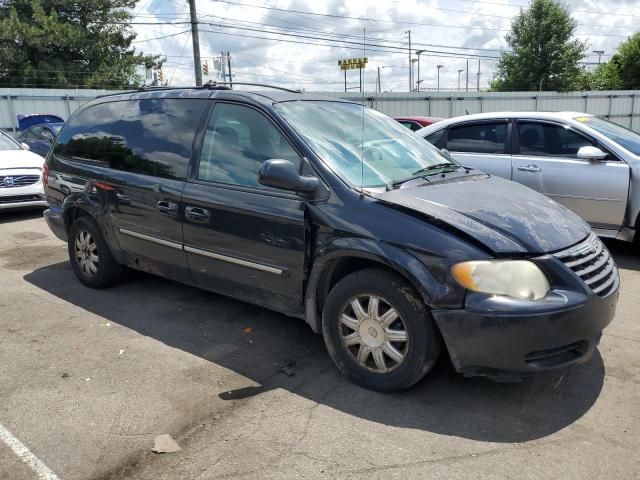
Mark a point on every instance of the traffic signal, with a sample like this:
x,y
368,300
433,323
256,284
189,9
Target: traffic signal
x,y
160,76
205,68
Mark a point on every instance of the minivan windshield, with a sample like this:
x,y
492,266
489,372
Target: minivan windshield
x,y
7,143
341,137
624,137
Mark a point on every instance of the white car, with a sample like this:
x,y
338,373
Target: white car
x,y
20,176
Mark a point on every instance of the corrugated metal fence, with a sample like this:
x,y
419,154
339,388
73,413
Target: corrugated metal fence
x,y
622,107
61,102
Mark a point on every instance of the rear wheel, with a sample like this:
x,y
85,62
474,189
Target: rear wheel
x,y
90,256
378,331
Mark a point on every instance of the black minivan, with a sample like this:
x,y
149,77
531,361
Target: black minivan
x,y
332,212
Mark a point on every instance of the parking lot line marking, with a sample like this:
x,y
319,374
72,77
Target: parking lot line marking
x,y
43,472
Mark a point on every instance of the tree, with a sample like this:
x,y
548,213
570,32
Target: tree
x,y
622,72
626,62
606,76
543,55
69,43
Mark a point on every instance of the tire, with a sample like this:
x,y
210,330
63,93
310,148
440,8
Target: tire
x,y
90,257
413,334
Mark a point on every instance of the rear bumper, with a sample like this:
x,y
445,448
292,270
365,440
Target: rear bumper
x,y
495,336
55,220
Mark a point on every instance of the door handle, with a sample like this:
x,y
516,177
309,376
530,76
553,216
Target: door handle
x,y
530,168
197,214
168,208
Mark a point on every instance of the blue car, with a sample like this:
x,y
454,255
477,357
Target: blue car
x,y
39,131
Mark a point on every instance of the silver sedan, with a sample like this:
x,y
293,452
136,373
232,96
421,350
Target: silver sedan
x,y
584,162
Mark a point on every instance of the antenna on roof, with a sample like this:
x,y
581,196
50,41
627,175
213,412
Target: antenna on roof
x,y
364,56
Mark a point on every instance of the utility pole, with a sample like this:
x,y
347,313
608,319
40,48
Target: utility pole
x,y
460,70
467,87
439,67
229,65
410,64
379,86
478,77
196,43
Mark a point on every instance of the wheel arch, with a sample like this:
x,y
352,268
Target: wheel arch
x,y
330,268
78,205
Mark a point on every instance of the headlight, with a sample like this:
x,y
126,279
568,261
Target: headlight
x,y
515,278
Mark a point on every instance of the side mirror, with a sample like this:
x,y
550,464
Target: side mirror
x,y
591,153
25,146
446,152
283,174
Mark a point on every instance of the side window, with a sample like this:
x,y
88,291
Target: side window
x,y
47,135
478,138
155,136
238,139
92,136
413,126
438,139
549,140
33,133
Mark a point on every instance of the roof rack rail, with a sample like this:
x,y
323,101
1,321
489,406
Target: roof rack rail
x,y
211,85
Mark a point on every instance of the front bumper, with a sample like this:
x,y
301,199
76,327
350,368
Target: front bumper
x,y
30,201
28,196
500,336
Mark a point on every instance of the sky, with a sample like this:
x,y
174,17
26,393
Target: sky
x,y
319,33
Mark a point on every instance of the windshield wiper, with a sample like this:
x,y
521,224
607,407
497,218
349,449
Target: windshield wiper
x,y
440,167
429,168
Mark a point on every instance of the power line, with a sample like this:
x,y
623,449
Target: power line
x,y
347,44
242,23
162,37
366,19
593,12
388,48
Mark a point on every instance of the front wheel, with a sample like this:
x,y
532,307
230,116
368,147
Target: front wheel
x,y
90,257
378,331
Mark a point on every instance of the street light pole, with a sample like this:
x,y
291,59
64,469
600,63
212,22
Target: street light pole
x,y
460,70
418,53
412,62
439,67
599,53
379,80
408,32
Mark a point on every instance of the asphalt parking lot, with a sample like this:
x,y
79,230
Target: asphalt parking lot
x,y
89,378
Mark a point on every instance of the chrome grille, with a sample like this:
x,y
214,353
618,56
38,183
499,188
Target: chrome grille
x,y
592,262
12,181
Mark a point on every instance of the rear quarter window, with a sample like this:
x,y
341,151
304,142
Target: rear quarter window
x,y
149,137
87,136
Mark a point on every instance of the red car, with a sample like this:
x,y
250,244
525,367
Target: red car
x,y
416,122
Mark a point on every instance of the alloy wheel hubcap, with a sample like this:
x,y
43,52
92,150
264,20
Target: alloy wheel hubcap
x,y
373,332
86,253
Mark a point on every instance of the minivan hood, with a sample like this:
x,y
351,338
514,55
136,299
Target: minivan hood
x,y
504,216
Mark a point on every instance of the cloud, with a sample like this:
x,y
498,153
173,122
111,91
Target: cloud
x,y
260,56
